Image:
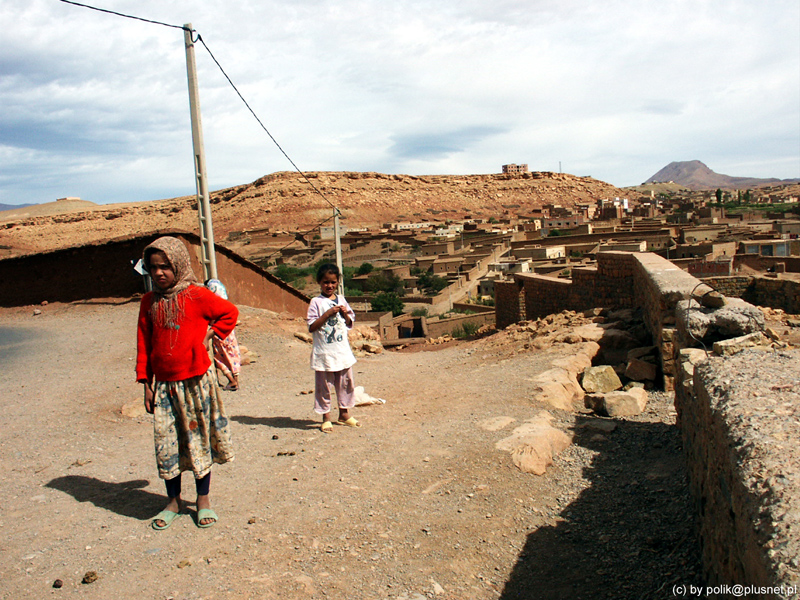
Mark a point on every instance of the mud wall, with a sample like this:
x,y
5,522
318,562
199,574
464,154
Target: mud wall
x,y
530,296
106,271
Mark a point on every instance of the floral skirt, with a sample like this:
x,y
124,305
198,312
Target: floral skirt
x,y
191,428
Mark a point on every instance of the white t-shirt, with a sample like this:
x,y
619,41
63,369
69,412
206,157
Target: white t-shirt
x,y
331,350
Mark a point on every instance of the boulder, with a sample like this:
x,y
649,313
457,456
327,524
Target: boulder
x,y
535,443
618,404
735,319
590,333
557,387
640,370
600,379
736,345
372,347
580,361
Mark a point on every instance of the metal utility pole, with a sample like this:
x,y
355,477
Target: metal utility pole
x,y
208,257
336,235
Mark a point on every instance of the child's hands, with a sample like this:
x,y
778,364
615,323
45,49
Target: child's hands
x,y
334,310
209,336
148,398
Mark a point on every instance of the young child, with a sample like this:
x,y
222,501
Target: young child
x,y
329,318
176,321
226,352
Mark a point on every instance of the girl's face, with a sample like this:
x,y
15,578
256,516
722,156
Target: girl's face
x,y
328,284
161,271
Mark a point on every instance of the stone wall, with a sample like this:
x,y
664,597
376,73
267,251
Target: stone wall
x,y
440,327
738,436
609,285
775,293
507,296
735,286
738,414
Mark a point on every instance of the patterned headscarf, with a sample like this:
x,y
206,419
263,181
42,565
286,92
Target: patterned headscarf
x,y
167,308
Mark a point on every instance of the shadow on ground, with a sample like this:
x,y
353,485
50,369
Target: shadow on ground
x,y
630,535
277,422
125,498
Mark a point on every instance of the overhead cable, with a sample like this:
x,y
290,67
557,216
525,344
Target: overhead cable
x,y
235,89
219,66
119,14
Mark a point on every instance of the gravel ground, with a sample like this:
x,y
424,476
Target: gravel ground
x,y
417,503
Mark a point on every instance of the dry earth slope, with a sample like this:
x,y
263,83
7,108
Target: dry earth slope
x,y
288,201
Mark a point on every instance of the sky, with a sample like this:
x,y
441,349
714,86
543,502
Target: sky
x,y
96,106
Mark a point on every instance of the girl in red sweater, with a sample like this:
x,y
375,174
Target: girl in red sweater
x,y
176,321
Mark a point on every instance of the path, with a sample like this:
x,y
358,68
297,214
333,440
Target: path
x,y
415,504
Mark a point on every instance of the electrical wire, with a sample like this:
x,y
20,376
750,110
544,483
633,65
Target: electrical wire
x,y
119,14
235,89
279,250
219,66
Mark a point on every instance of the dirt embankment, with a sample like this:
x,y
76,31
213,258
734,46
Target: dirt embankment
x,y
286,201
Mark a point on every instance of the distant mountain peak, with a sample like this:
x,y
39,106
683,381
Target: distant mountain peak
x,y
696,175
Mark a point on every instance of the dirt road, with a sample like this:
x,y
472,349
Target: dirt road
x,y
417,503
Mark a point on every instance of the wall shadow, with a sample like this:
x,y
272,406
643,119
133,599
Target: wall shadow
x,y
630,535
277,422
124,498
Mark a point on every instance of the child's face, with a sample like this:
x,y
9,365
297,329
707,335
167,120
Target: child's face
x,y
328,284
161,271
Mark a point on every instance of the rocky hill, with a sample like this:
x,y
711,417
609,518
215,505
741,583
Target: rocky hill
x,y
695,175
291,202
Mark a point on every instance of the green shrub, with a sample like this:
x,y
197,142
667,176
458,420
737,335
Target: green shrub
x,y
465,330
365,268
431,283
385,282
387,301
419,312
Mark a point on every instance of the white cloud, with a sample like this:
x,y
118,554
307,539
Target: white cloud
x,y
96,104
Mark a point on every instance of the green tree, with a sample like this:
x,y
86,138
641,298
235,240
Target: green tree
x,y
365,268
387,301
385,282
718,194
432,283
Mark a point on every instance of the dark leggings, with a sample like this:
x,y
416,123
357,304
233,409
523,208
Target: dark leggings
x,y
202,486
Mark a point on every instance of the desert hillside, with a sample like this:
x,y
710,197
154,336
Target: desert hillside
x,y
287,201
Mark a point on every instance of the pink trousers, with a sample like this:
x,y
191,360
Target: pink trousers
x,y
342,383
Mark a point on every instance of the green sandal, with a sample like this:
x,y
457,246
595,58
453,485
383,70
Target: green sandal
x,y
165,515
206,513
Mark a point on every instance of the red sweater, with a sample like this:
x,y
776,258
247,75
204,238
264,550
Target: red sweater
x,y
178,354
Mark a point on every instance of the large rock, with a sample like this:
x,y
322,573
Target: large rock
x,y
735,319
558,387
615,345
535,443
618,404
591,332
736,345
580,361
640,370
600,379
